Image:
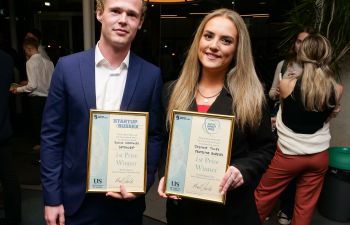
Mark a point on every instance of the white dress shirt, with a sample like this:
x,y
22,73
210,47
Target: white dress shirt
x,y
109,82
39,73
42,52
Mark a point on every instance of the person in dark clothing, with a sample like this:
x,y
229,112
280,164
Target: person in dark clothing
x,y
219,77
8,177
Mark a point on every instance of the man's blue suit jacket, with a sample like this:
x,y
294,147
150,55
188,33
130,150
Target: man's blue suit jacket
x,y
65,126
6,70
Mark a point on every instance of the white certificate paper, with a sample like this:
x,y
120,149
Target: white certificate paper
x,y
117,151
198,154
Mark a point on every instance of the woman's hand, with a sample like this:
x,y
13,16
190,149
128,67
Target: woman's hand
x,y
232,179
161,191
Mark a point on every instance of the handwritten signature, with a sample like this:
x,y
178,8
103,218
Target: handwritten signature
x,y
203,186
124,180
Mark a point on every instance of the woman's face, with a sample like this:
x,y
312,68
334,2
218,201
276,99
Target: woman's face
x,y
299,40
217,45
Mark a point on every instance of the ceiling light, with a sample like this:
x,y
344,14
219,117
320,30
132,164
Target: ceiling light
x,y
47,3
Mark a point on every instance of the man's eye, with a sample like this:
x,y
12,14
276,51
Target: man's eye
x,y
115,11
132,15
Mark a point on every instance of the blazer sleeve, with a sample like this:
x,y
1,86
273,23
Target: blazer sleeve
x,y
155,138
6,68
166,92
52,139
262,146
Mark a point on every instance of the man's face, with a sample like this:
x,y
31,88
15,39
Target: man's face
x,y
120,21
28,51
299,40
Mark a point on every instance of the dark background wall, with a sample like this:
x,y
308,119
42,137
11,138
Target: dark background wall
x,y
163,41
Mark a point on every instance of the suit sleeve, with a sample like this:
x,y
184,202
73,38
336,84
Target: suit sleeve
x,y
166,92
52,139
155,138
6,65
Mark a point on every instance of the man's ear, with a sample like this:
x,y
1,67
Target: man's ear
x,y
99,15
141,22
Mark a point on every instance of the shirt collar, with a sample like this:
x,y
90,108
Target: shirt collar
x,y
102,61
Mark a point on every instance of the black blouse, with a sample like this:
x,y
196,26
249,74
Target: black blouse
x,y
298,119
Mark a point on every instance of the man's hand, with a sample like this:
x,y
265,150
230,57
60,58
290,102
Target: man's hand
x,y
54,215
123,194
13,90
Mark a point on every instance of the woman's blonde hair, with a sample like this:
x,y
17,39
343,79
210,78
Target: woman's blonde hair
x,y
317,81
243,83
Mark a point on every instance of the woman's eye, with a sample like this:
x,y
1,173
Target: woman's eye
x,y
208,36
226,41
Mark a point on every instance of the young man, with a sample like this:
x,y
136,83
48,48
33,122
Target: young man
x,y
39,73
36,34
109,77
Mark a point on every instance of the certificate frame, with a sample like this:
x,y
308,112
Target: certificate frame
x,y
117,151
198,155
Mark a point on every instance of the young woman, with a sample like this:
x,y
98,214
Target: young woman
x,y
287,67
219,77
308,101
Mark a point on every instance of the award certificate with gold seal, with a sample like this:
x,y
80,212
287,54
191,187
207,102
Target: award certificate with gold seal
x,y
198,155
117,151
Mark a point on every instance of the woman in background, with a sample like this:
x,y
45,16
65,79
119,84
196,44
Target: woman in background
x,y
308,101
287,67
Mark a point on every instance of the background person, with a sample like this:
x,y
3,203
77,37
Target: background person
x,y
39,73
36,34
219,77
289,63
308,100
108,77
287,67
8,176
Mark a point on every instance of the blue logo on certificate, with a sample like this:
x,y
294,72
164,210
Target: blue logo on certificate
x,y
211,126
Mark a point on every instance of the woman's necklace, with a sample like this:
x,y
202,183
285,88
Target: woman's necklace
x,y
206,98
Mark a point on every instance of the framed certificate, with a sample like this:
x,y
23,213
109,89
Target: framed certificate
x,y
117,151
198,155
